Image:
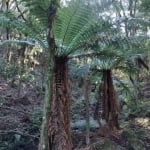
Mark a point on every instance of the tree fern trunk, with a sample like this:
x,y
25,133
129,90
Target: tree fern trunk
x,y
110,103
105,97
59,123
114,107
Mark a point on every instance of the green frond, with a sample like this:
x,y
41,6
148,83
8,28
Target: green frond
x,y
41,8
7,19
145,6
70,22
27,42
88,36
31,29
121,83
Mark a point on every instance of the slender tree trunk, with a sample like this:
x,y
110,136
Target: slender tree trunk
x,y
59,124
8,53
49,85
86,95
99,105
21,65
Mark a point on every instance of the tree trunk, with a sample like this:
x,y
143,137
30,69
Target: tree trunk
x,y
44,143
111,106
114,106
99,105
59,124
44,139
105,114
87,97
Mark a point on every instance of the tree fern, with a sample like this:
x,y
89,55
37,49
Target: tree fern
x,y
69,23
40,8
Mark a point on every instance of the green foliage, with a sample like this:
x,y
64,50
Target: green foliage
x,y
80,30
8,71
11,141
14,73
7,20
35,122
107,144
133,109
41,9
145,5
71,24
80,124
134,138
142,109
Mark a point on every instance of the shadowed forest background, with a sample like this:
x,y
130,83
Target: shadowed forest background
x,y
74,74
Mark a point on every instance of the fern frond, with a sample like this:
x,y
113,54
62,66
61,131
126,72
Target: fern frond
x,y
30,29
40,8
28,42
69,23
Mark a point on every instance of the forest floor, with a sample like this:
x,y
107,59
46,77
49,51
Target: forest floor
x,y
20,116
20,121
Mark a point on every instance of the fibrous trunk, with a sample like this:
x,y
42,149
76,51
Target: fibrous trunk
x,y
110,103
59,125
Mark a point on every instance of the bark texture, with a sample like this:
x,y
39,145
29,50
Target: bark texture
x,y
59,124
110,103
44,139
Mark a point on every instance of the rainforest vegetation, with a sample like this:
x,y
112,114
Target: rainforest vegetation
x,y
74,75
